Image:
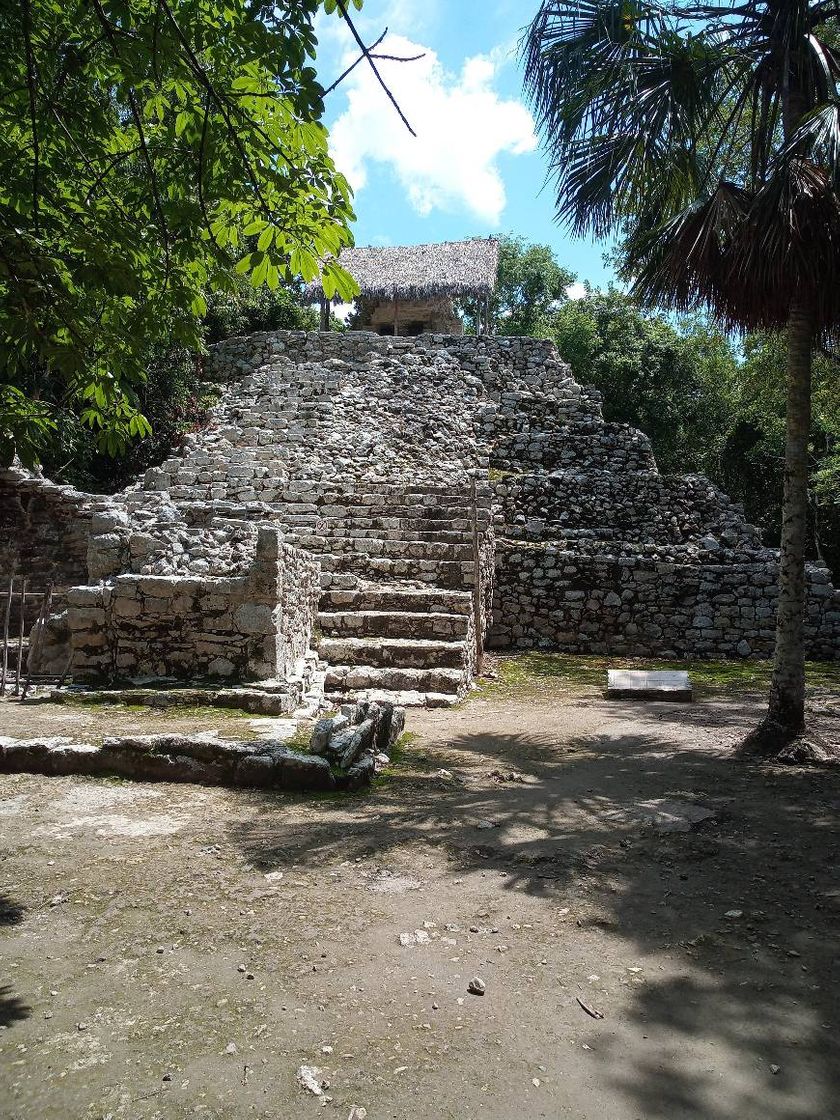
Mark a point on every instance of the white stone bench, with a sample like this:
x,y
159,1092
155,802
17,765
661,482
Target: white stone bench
x,y
644,684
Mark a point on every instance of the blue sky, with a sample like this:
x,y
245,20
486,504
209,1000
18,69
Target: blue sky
x,y
475,168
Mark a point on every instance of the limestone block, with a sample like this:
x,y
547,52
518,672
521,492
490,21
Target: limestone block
x,y
90,618
85,596
221,667
256,770
125,606
297,771
323,731
254,618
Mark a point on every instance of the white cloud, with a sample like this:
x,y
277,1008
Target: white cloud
x,y
576,290
462,123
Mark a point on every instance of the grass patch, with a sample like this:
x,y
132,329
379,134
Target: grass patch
x,y
194,718
299,741
537,672
398,759
172,711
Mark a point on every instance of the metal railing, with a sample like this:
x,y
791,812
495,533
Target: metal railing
x,y
22,596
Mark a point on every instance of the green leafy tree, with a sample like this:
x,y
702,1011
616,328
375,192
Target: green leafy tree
x,y
752,462
144,146
244,309
707,136
676,385
173,397
530,282
708,405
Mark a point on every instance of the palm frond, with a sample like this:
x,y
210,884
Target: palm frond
x,y
620,99
708,136
686,260
741,254
818,138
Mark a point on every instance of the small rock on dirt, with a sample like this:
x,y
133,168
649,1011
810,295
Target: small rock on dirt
x,y
666,815
476,986
309,1078
418,937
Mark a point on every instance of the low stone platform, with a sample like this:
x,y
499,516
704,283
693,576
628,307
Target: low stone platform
x,y
346,751
204,759
258,699
643,684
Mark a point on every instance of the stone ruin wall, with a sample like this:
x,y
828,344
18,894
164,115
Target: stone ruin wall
x,y
140,594
44,529
250,627
581,544
550,597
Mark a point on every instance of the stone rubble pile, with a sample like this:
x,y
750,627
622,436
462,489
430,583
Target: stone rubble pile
x,y
360,738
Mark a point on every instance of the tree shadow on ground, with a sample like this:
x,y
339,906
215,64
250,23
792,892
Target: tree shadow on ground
x,y
12,1009
757,983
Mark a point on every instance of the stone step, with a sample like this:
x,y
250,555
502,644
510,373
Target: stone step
x,y
398,653
299,517
347,679
393,624
359,491
379,548
383,597
369,499
447,574
402,698
416,515
339,530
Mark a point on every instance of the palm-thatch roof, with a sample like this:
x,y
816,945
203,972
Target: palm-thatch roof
x,y
448,268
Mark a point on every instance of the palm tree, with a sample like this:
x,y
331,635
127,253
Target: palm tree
x,y
706,137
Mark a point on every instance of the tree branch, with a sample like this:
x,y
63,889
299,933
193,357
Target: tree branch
x,y
147,158
378,57
342,7
353,65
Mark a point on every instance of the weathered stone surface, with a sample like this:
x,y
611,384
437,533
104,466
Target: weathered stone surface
x,y
297,771
324,730
395,725
361,773
360,739
172,758
255,770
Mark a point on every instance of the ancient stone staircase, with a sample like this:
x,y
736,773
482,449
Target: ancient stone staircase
x,y
365,461
396,617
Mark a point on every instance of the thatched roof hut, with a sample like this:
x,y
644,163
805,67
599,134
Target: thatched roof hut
x,y
413,285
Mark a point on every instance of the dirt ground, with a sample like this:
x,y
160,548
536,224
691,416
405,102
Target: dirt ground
x,y
173,951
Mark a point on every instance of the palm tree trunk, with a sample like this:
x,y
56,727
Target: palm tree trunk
x,y
787,688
